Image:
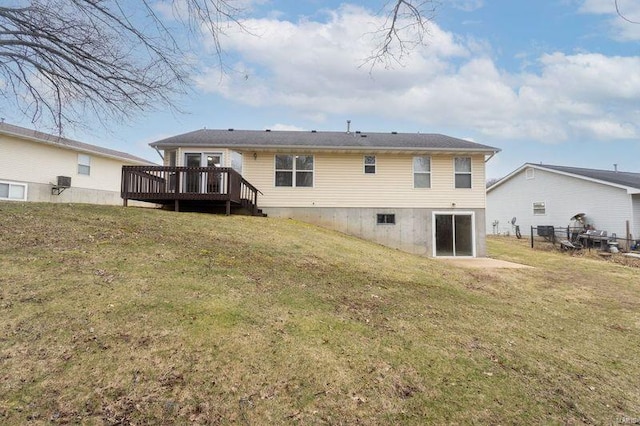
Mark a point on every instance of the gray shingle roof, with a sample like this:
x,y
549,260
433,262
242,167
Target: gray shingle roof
x,y
257,139
629,179
33,135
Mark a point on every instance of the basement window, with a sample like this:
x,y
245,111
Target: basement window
x,y
386,219
13,191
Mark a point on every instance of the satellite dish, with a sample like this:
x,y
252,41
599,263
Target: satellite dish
x,y
513,220
578,216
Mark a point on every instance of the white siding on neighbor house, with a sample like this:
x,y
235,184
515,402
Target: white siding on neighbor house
x,y
340,181
635,225
32,162
607,208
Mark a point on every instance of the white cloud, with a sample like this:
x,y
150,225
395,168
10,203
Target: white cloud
x,y
287,127
624,22
467,5
314,69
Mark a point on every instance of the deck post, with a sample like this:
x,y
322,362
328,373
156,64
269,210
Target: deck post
x,y
176,206
125,202
228,207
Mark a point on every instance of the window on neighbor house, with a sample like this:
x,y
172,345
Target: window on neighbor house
x,y
462,166
294,170
13,191
530,173
539,208
369,164
422,172
84,164
386,219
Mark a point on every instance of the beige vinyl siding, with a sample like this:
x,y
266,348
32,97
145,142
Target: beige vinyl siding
x,y
340,181
26,161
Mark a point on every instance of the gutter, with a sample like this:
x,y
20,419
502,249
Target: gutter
x,y
330,148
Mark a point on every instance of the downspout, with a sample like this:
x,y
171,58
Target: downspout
x,y
159,153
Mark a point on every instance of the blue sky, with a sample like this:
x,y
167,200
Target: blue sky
x,y
551,81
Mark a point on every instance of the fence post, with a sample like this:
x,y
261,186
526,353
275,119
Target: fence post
x,y
532,237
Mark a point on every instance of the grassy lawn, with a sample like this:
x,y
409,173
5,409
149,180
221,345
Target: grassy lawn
x,y
121,316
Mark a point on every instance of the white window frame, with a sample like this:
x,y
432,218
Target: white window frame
x,y
456,173
294,171
10,184
413,165
530,173
84,160
366,165
544,208
385,216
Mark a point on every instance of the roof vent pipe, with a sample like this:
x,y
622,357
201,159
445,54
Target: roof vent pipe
x,y
615,167
348,126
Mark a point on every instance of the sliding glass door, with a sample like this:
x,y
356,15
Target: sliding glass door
x,y
454,234
203,182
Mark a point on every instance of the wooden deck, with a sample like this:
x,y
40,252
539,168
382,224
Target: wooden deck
x,y
192,188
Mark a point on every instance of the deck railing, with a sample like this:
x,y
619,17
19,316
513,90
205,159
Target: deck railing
x,y
168,183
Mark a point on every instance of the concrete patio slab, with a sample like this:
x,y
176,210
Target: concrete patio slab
x,y
484,262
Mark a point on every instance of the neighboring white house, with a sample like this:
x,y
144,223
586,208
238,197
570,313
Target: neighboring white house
x,y
546,195
36,166
421,193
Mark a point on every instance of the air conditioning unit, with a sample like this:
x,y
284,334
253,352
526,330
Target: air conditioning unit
x,y
64,182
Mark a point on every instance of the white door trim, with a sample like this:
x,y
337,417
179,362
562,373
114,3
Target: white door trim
x,y
453,213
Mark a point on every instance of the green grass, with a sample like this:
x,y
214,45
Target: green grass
x,y
113,315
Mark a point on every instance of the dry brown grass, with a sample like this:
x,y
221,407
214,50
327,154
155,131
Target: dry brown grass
x,y
123,316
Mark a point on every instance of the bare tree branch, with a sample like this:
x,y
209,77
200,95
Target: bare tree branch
x,y
622,15
60,59
405,27
63,59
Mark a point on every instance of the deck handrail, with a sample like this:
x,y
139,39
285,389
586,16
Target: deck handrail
x,y
186,183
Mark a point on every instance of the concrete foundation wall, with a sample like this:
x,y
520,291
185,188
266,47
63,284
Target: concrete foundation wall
x,y
38,192
412,232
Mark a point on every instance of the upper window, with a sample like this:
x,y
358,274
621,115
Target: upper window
x,y
463,172
13,191
539,208
422,172
294,170
369,164
84,164
530,173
